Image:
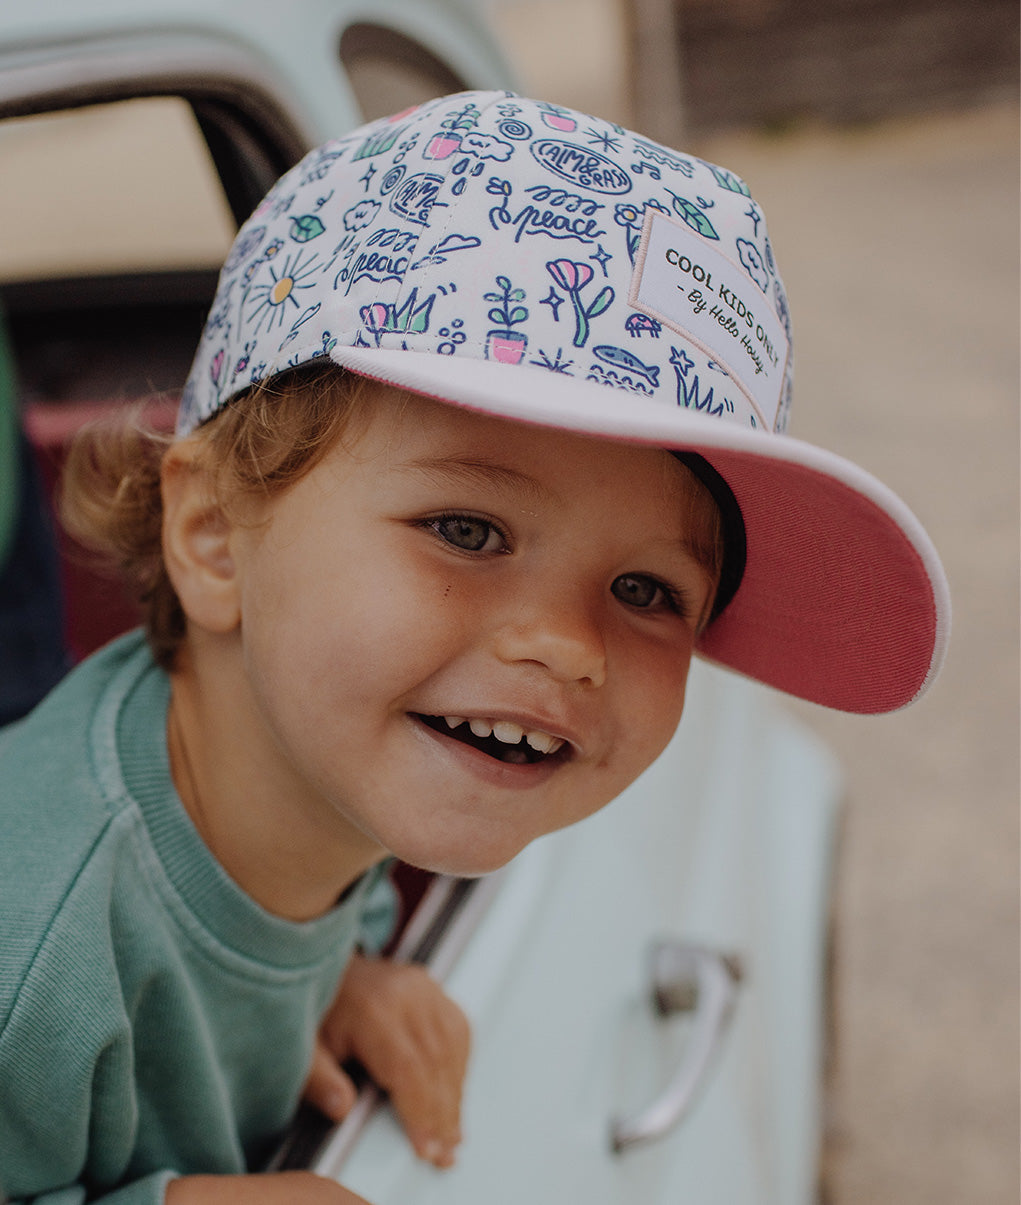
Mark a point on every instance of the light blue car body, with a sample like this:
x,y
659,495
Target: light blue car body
x,y
289,50
726,844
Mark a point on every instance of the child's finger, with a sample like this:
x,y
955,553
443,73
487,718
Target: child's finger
x,y
328,1087
414,1042
425,1082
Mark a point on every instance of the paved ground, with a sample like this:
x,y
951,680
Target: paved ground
x,y
899,246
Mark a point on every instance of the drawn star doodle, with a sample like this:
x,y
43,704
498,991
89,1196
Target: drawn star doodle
x,y
606,141
554,301
602,258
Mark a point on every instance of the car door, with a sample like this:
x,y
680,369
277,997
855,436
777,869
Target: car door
x,y
706,886
135,138
719,856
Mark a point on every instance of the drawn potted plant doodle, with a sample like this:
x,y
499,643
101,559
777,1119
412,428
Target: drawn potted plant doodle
x,y
448,140
558,118
504,343
572,278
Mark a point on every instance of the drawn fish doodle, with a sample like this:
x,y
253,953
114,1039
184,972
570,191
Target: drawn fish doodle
x,y
627,362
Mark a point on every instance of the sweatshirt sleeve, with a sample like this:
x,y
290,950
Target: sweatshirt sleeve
x,y
69,1106
65,1070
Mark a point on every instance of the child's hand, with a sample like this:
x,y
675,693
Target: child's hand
x,y
285,1188
411,1038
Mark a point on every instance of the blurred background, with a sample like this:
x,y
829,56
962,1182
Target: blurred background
x,y
881,138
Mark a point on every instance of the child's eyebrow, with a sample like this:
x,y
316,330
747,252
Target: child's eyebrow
x,y
473,471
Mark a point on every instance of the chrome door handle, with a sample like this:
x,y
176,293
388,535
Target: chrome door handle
x,y
684,978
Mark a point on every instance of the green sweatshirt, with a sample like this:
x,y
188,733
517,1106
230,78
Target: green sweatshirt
x,y
154,1020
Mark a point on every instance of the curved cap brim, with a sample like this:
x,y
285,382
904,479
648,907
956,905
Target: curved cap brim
x,y
843,601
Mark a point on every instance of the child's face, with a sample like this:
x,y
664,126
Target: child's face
x,y
448,566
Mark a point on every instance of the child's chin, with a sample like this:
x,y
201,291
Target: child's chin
x,y
470,863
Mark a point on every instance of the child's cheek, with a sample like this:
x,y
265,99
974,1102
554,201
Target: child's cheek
x,y
653,705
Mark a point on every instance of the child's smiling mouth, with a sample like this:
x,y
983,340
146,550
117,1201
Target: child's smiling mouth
x,y
504,740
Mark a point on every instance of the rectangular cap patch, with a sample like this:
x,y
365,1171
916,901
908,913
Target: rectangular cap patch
x,y
685,282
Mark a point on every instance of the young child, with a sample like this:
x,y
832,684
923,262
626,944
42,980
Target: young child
x,y
482,441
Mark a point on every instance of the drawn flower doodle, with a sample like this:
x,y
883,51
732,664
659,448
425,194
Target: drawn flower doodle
x,y
572,278
631,217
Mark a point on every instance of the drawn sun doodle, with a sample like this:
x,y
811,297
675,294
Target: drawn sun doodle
x,y
273,303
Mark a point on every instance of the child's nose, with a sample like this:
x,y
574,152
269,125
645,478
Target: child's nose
x,y
558,634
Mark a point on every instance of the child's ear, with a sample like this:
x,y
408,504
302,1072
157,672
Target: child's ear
x,y
198,539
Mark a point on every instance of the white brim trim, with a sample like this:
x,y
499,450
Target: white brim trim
x,y
528,394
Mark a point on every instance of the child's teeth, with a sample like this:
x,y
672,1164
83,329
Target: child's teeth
x,y
507,731
542,742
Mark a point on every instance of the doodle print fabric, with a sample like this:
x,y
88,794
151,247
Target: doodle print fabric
x,y
545,266
441,185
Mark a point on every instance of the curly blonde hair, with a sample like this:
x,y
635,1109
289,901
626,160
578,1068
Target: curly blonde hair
x,y
261,442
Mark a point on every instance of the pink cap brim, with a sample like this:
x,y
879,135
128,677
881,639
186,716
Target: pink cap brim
x,y
843,601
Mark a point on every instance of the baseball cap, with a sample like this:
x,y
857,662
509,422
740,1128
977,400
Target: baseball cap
x,y
527,261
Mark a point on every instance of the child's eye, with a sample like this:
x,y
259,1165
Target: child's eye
x,y
639,591
468,533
